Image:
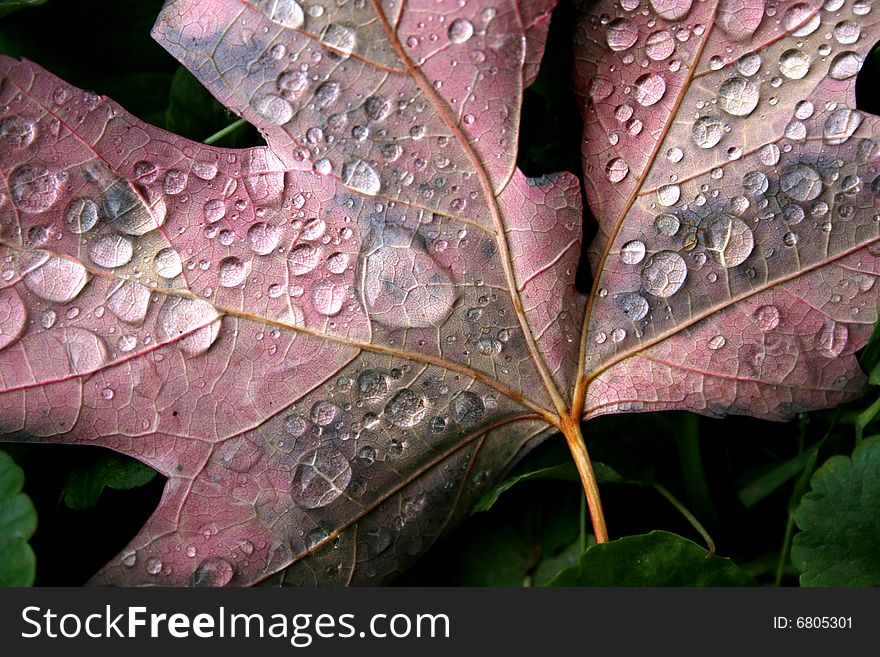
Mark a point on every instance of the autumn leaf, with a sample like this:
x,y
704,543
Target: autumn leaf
x,y
332,346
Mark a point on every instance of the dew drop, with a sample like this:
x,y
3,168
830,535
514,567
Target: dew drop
x,y
460,30
664,273
632,252
361,177
649,89
167,263
738,96
81,215
406,408
111,251
321,476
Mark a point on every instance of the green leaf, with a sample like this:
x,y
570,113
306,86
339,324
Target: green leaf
x,y
839,519
85,484
869,359
561,472
18,521
769,482
656,559
9,6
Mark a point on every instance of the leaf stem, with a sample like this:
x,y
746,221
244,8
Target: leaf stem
x,y
571,429
691,518
232,127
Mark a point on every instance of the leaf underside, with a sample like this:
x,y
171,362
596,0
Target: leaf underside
x,y
332,346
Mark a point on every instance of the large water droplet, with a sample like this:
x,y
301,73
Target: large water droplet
x,y
769,154
667,224
738,96
17,132
406,408
649,89
129,302
801,19
672,10
847,32
81,215
616,170
801,182
467,408
273,108
302,259
111,251
727,239
767,318
342,38
794,64
632,252
845,65
13,317
321,477
127,211
372,384
405,287
287,13
34,188
740,18
633,305
668,195
57,279
263,238
328,297
707,131
664,273
377,108
659,45
460,30
194,324
361,177
231,272
621,34
167,263
841,124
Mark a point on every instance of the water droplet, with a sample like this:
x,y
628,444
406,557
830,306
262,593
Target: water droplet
x,y
81,215
667,224
303,259
111,251
790,239
34,188
372,385
321,476
749,64
193,324
287,13
707,131
769,154
841,124
755,183
740,18
794,64
467,408
845,65
273,108
263,238
153,566
323,413
847,32
337,262
659,45
738,96
167,263
341,38
405,287
767,318
649,89
616,170
633,305
214,210
664,273
231,272
674,154
17,132
377,108
328,297
57,279
668,195
361,177
801,182
832,338
127,211
406,408
460,30
129,302
129,559
727,239
717,342
801,19
632,252
621,34
174,182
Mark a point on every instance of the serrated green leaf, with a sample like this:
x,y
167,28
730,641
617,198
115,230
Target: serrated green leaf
x,y
655,559
839,519
18,521
85,484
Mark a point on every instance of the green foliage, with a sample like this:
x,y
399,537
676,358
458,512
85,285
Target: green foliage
x,y
9,6
18,521
85,483
656,559
839,542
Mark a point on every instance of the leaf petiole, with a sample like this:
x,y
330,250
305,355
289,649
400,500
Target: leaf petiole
x,y
232,127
